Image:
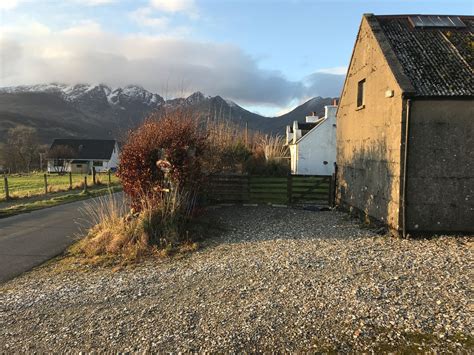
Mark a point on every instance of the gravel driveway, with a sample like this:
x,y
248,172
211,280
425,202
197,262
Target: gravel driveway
x,y
276,279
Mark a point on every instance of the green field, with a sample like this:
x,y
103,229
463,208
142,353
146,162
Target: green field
x,y
21,186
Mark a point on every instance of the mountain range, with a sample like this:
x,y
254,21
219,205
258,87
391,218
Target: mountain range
x,y
98,111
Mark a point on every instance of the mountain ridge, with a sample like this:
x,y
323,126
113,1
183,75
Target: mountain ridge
x,y
99,111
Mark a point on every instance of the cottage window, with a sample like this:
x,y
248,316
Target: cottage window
x,y
97,163
58,162
360,94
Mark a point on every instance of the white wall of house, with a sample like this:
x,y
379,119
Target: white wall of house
x,y
54,169
315,152
113,163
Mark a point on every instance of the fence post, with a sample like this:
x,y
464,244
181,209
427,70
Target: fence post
x,y
85,183
289,188
70,181
110,179
93,175
45,184
332,190
7,193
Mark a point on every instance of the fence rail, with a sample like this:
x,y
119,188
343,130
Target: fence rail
x,y
20,186
291,189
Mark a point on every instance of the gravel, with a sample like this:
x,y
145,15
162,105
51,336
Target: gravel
x,y
277,279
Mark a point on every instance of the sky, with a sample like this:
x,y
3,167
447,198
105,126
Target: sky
x,y
266,55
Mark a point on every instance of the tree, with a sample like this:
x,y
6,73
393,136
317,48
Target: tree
x,y
3,158
21,149
62,155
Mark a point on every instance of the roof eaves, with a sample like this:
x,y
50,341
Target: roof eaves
x,y
392,60
323,119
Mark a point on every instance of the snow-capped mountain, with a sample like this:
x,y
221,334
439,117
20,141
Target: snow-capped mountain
x,y
84,92
99,111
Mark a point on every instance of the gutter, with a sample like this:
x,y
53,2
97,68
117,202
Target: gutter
x,y
405,164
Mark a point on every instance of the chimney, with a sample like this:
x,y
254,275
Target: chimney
x,y
313,118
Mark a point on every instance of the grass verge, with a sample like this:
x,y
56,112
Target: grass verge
x,y
57,200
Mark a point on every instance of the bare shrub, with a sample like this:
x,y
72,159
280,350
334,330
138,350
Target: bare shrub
x,y
274,147
166,149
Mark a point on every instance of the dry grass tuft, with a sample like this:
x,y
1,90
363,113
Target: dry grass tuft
x,y
160,228
274,147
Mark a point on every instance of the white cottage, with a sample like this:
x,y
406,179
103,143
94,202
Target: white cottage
x,y
313,144
82,155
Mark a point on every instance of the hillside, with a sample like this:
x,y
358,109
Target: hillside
x,y
97,111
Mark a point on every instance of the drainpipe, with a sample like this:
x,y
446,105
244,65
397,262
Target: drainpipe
x,y
405,160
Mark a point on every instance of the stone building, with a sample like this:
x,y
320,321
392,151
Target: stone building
x,y
405,131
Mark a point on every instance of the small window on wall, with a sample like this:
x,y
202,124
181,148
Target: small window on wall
x,y
360,93
97,163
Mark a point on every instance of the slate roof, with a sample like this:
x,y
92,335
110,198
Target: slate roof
x,y
438,61
306,126
88,149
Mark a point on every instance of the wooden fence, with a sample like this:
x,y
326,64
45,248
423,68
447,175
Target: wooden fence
x,y
20,186
291,190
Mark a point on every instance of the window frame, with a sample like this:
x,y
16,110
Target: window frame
x,y
361,94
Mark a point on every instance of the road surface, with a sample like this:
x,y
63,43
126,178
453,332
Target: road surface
x,y
28,240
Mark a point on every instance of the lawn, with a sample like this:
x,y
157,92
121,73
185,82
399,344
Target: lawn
x,y
21,186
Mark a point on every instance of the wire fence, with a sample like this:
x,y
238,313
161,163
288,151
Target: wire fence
x,y
27,185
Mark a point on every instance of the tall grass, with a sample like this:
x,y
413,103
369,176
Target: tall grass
x,y
224,133
119,232
274,147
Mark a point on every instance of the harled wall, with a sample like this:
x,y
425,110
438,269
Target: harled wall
x,y
369,139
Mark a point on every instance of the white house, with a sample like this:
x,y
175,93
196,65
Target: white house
x,y
82,155
313,144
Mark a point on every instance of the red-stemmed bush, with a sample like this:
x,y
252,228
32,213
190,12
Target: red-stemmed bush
x,y
166,148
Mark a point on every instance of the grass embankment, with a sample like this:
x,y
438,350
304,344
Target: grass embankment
x,y
29,185
22,206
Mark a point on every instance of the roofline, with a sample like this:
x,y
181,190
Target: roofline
x,y
349,66
86,139
439,97
390,56
312,129
91,159
407,15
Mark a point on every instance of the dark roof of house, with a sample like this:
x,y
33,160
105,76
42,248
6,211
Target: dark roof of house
x,y
435,53
88,148
306,126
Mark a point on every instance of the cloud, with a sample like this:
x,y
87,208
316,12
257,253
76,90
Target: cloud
x,y
143,16
173,5
334,70
9,4
324,84
95,2
167,65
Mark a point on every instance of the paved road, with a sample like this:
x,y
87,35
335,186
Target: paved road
x,y
29,239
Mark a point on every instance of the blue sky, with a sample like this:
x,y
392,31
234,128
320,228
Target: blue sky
x,y
266,55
